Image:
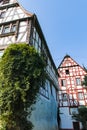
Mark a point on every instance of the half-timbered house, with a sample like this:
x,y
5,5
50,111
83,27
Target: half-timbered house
x,y
20,26
72,94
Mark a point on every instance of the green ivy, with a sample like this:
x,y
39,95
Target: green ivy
x,y
22,71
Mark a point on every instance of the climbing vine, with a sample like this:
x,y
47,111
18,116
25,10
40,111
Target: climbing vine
x,y
22,72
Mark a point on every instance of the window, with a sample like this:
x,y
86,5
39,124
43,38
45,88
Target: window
x,y
80,95
44,90
78,81
36,40
5,1
2,14
73,110
63,82
64,96
10,28
6,29
13,28
73,102
67,71
85,95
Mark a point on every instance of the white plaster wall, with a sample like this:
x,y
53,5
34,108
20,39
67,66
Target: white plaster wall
x,y
66,120
14,13
44,116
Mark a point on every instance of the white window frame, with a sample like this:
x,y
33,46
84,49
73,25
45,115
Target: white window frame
x,y
13,27
80,96
78,81
9,27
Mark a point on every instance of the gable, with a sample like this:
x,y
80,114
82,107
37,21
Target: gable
x,y
12,11
68,64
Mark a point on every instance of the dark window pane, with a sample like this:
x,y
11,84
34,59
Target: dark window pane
x,y
63,82
67,71
6,29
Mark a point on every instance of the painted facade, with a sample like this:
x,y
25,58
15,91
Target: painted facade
x,y
71,94
19,26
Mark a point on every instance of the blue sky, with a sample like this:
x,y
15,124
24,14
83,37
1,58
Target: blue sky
x,y
64,24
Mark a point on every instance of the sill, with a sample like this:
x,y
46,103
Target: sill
x,y
7,34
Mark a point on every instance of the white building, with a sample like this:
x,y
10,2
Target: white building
x,y
72,94
19,26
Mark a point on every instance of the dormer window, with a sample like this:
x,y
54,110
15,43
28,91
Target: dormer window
x,y
5,1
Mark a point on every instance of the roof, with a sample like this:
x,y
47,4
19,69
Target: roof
x,y
68,56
